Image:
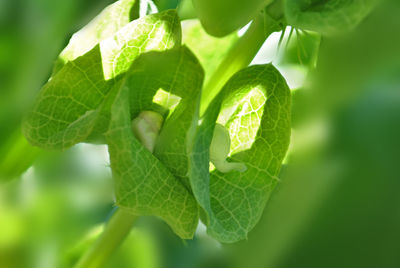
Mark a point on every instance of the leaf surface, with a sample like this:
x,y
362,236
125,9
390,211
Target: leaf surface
x,y
255,107
113,18
178,75
327,16
68,105
222,17
144,184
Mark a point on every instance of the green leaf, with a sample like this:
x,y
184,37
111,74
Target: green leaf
x,y
159,78
69,104
209,50
327,16
274,16
106,24
144,185
255,107
222,17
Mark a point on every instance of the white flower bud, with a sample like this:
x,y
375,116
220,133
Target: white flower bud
x,y
146,128
219,150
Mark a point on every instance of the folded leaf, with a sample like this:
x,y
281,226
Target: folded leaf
x,y
105,25
221,17
143,185
327,16
175,74
68,106
255,107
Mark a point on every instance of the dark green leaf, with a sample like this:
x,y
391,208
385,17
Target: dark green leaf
x,y
327,16
221,17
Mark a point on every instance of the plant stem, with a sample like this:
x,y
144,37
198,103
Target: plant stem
x,y
117,228
239,57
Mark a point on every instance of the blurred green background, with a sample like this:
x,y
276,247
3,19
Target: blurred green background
x,y
338,203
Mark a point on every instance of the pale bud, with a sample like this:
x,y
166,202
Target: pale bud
x,y
146,128
219,151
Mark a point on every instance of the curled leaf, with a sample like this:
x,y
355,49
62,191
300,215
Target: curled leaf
x,y
255,107
146,183
143,185
113,18
70,104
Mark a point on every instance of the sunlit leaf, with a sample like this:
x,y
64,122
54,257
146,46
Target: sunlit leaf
x,y
144,185
105,25
178,74
255,107
68,105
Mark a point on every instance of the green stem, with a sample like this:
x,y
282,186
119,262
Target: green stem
x,y
117,228
17,156
239,57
